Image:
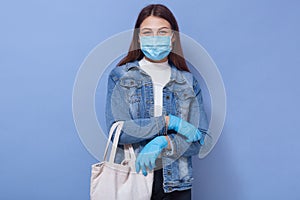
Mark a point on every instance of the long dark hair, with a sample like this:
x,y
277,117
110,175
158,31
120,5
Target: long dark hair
x,y
157,10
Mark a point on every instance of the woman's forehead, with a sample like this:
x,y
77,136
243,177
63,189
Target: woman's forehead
x,y
153,22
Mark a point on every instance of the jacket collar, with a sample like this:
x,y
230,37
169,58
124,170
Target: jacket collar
x,y
130,65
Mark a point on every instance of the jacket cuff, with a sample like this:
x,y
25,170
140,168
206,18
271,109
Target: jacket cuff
x,y
163,130
170,151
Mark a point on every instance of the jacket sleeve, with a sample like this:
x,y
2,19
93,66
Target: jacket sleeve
x,y
118,109
197,117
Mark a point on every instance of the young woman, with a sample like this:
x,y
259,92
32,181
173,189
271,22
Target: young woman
x,y
160,102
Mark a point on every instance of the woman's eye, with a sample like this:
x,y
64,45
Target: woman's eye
x,y
146,33
163,32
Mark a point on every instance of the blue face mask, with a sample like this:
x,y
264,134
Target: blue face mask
x,y
156,47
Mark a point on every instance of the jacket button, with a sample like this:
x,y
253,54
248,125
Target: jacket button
x,y
167,97
169,172
169,189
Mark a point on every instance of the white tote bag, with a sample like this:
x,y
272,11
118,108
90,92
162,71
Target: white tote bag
x,y
112,181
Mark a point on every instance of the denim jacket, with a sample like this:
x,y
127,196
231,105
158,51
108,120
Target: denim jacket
x,y
130,99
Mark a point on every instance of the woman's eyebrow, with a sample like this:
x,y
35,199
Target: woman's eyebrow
x,y
146,28
164,28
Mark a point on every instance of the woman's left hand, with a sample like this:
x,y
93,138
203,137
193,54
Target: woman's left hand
x,y
184,128
148,155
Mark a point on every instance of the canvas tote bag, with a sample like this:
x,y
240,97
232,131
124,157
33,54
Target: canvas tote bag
x,y
112,181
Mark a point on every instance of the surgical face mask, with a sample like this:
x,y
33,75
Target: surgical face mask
x,y
156,47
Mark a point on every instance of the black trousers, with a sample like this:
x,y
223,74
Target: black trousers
x,y
158,191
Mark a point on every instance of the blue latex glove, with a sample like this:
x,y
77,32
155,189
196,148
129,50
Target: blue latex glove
x,y
186,129
148,155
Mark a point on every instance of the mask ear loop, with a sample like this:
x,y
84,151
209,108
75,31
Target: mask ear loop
x,y
171,36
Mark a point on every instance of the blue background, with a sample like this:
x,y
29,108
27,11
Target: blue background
x,y
255,45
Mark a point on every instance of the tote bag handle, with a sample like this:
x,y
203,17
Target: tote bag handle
x,y
128,149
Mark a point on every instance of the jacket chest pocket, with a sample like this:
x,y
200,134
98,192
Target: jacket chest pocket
x,y
183,100
132,91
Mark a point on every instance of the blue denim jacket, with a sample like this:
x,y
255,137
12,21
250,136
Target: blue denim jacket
x,y
130,99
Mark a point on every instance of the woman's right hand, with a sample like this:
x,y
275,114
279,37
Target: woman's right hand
x,y
184,128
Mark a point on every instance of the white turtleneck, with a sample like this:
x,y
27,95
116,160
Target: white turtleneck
x,y
160,74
